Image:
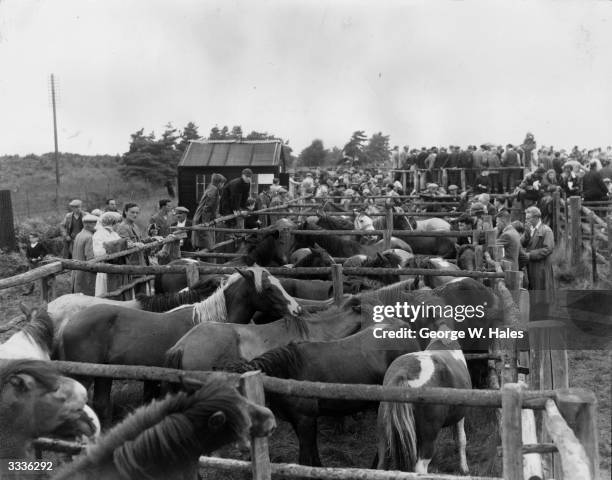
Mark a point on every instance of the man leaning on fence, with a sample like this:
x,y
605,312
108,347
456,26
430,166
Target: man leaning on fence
x,y
207,211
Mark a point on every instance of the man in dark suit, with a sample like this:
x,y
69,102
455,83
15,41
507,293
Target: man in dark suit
x,y
235,194
508,238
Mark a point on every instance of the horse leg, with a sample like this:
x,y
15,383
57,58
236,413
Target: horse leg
x,y
306,431
102,400
461,446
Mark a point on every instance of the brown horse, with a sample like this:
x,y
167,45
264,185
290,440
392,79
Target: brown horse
x,y
163,440
212,345
265,247
362,358
121,336
36,400
406,432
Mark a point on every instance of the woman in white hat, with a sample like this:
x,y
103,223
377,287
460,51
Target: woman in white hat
x,y
101,238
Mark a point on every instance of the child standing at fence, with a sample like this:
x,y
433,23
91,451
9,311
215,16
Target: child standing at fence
x,y
35,253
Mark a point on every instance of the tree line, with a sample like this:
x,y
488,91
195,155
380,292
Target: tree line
x,y
155,158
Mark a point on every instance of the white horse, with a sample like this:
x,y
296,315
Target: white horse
x,y
364,222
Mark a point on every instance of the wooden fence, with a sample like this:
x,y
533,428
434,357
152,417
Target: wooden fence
x,y
577,447
512,399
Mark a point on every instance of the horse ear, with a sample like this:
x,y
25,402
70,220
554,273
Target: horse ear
x,y
244,274
216,420
25,309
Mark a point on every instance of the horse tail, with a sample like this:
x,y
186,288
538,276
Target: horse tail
x,y
398,429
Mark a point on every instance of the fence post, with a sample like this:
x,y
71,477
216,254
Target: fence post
x,y
338,282
251,386
478,257
240,222
512,432
417,181
47,288
579,408
404,181
388,229
575,204
444,178
548,371
7,227
557,215
192,274
593,248
463,180
285,238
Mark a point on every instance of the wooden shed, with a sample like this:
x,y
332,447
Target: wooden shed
x,y
266,158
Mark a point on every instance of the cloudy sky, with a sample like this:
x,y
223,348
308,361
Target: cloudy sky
x,y
422,72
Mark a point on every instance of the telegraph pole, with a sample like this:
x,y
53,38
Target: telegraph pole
x,y
57,175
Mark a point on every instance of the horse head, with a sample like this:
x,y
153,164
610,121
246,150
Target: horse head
x,y
39,399
363,222
267,293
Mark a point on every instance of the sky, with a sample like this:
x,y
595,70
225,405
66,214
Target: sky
x,y
425,73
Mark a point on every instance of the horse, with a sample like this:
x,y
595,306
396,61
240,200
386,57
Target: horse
x,y
339,247
115,335
64,307
359,359
35,400
265,248
307,289
35,341
466,256
442,246
387,259
406,432
164,440
210,345
317,257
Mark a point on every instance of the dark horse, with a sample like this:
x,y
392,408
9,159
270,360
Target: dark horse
x,y
163,440
116,335
264,248
339,247
317,257
361,359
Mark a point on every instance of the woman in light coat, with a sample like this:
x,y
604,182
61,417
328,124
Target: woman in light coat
x,y
104,235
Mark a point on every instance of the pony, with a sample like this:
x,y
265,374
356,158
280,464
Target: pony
x,y
165,439
66,306
442,246
307,289
265,248
387,259
210,345
360,359
339,247
406,432
34,340
317,257
35,400
466,256
115,335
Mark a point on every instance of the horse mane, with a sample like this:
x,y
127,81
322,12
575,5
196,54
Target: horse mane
x,y
165,433
164,302
213,308
335,246
41,330
43,372
280,362
334,223
258,252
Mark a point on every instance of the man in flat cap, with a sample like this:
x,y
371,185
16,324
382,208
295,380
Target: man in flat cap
x,y
508,238
180,213
235,194
71,225
84,282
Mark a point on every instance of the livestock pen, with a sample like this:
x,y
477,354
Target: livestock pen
x,y
562,407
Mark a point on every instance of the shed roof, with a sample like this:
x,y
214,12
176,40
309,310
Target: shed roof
x,y
233,153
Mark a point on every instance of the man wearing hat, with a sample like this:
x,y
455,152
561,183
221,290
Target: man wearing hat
x,y
71,225
508,238
84,282
180,213
235,195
